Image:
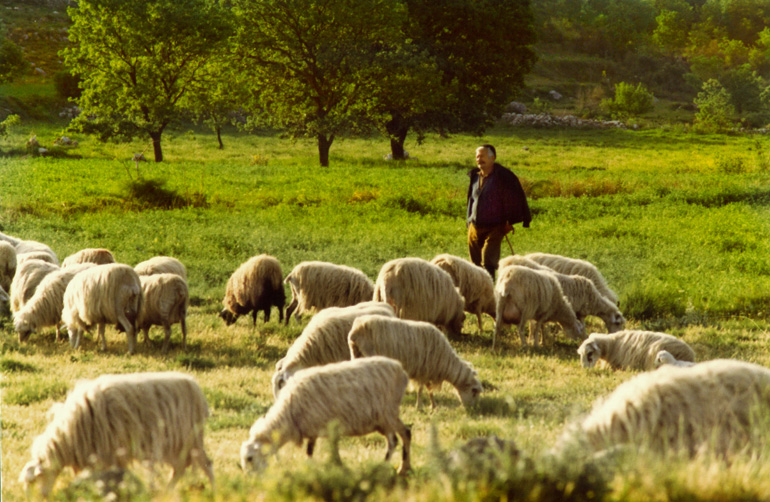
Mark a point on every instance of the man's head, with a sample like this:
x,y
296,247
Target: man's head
x,y
485,157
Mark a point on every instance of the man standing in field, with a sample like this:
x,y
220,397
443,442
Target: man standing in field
x,y
496,201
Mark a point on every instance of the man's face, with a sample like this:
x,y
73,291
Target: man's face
x,y
484,160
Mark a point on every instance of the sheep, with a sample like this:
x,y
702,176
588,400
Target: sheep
x,y
363,396
421,291
573,266
45,306
28,276
254,286
665,357
114,420
98,256
7,264
586,299
319,285
164,302
161,265
517,259
631,349
475,284
423,351
103,294
525,294
719,406
36,255
13,241
324,340
36,247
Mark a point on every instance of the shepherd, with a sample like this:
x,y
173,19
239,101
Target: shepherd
x,y
496,202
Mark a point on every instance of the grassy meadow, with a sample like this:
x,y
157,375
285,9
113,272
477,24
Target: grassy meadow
x,y
677,223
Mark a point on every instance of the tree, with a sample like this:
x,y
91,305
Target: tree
x,y
12,61
137,60
714,108
629,101
313,65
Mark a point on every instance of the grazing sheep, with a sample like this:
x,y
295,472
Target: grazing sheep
x,y
573,266
90,255
517,259
423,351
161,265
631,349
164,302
103,294
363,396
319,285
13,241
524,294
587,300
474,282
421,291
324,340
7,264
665,357
114,420
720,406
36,255
45,307
24,247
28,276
254,286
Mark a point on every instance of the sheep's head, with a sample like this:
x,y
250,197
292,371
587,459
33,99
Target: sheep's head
x,y
664,357
279,381
616,322
23,328
255,450
34,473
469,392
456,325
576,331
589,352
228,317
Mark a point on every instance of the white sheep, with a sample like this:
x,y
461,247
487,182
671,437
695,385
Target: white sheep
x,y
36,255
114,420
324,340
28,276
99,256
720,406
363,396
475,284
586,300
423,351
7,264
665,357
631,349
165,300
161,265
45,307
517,259
103,294
573,266
254,286
421,291
525,294
13,241
316,285
24,247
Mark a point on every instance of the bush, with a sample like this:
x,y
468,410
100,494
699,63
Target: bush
x,y
629,101
715,110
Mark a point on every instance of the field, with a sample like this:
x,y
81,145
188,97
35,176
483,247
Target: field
x,y
677,223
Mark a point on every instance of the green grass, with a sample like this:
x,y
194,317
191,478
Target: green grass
x,y
677,223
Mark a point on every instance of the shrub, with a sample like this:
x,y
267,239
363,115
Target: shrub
x,y
715,110
629,101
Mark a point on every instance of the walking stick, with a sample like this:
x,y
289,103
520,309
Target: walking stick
x,y
509,243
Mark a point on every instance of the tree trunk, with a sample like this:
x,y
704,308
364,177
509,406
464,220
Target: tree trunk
x,y
219,138
324,145
397,131
156,145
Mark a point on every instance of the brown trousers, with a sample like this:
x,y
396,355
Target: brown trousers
x,y
484,246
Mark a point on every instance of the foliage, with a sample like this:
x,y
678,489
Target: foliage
x,y
137,60
629,101
9,122
12,62
715,110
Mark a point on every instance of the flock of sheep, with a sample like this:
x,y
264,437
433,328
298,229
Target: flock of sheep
x,y
354,359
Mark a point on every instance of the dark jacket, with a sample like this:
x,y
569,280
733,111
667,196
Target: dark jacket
x,y
501,199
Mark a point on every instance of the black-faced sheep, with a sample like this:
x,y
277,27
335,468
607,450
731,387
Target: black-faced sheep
x,y
254,286
117,419
28,276
363,396
474,282
665,357
165,302
324,340
573,266
316,285
103,294
720,406
45,307
161,265
421,291
631,349
7,264
97,256
525,294
423,351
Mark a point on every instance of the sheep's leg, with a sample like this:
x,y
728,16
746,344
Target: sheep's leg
x,y
167,340
146,334
498,322
406,438
392,443
183,325
74,336
254,317
267,313
310,446
130,333
280,313
478,318
523,332
290,309
101,335
419,395
432,402
536,332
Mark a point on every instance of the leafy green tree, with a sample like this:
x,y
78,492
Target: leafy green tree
x,y
137,60
313,66
629,101
715,111
8,123
12,61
